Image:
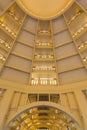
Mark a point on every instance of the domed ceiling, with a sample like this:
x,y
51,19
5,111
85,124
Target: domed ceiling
x,y
44,9
67,21
43,47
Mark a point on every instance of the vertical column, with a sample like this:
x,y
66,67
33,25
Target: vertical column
x,y
4,107
65,102
82,104
44,68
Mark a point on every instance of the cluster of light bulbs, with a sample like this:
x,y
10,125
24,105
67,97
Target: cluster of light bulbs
x,y
15,124
82,45
2,58
12,13
43,43
79,31
44,32
18,128
42,129
44,56
7,29
49,68
74,17
5,43
44,81
85,59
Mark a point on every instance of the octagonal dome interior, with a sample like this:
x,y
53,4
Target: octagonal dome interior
x,y
43,57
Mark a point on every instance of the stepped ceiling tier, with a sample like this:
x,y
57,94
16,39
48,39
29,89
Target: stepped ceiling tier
x,y
18,37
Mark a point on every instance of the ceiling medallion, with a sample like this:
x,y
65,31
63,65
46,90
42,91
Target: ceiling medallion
x,y
44,9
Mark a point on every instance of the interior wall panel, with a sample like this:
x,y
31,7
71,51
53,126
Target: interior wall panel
x,y
19,62
62,37
14,75
73,76
65,50
26,37
69,63
58,24
30,24
23,49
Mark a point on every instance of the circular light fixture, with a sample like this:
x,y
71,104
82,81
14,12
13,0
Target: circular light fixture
x,y
43,118
44,9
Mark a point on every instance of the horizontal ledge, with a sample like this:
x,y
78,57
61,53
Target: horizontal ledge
x,y
62,44
29,45
67,56
71,69
22,56
60,30
25,88
17,68
25,29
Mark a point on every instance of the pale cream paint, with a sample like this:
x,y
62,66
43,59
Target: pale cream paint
x,y
44,9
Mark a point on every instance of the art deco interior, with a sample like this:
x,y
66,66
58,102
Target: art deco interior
x,y
43,65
